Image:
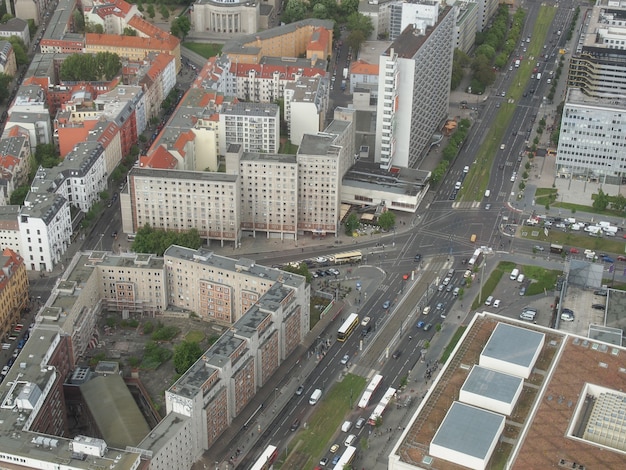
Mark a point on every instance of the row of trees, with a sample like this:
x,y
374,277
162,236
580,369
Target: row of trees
x,y
451,150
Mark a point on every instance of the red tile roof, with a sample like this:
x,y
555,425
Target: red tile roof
x,y
160,158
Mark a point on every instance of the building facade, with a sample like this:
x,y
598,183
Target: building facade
x,y
226,17
13,290
255,125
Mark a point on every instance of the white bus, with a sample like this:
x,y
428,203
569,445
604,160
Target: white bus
x,y
380,409
348,327
347,257
346,458
266,459
370,390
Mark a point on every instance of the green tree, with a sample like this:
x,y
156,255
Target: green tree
x,y
601,201
20,50
6,17
348,7
46,156
109,65
387,220
185,354
295,10
165,13
352,223
128,31
150,11
5,81
302,270
618,202
360,22
149,240
19,194
181,26
79,21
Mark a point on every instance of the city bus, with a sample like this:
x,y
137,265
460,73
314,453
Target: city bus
x,y
348,327
382,406
346,458
347,257
558,249
370,390
267,459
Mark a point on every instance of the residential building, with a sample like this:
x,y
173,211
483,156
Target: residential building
x,y
486,10
180,200
9,228
306,106
413,91
224,17
16,27
591,143
467,25
254,125
421,14
58,36
8,64
13,290
112,15
290,40
364,76
14,164
598,65
29,9
379,11
269,193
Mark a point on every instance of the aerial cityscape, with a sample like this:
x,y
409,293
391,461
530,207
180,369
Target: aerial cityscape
x,y
366,234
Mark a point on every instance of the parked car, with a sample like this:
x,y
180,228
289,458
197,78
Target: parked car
x,y
539,247
417,258
621,258
489,300
608,259
496,303
602,292
522,291
598,306
574,251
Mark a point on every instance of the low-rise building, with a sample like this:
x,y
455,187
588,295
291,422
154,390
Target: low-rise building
x,y
13,290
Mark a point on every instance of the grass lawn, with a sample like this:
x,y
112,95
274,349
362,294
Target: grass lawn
x,y
286,147
195,336
452,344
310,444
541,279
205,50
490,284
477,180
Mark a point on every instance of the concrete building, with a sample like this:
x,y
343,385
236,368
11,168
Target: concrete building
x,y
486,9
225,17
10,229
16,27
180,200
254,125
467,25
29,10
8,64
591,142
421,14
306,105
14,164
413,91
13,290
597,66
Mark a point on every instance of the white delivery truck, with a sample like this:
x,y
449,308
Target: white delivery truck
x,y
517,63
514,274
315,396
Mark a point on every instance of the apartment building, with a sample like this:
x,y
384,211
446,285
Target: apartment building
x,y
305,105
13,290
10,229
16,27
591,142
58,36
112,15
180,200
467,25
255,125
290,40
269,193
8,63
14,164
413,91
598,66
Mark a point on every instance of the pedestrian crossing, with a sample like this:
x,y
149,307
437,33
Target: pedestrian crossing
x,y
466,205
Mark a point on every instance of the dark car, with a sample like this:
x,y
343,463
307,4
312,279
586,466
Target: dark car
x,y
396,354
336,459
608,259
602,292
598,306
428,326
417,258
295,425
365,331
300,390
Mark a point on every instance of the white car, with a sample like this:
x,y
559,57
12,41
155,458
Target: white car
x,y
345,359
489,300
502,147
365,321
496,303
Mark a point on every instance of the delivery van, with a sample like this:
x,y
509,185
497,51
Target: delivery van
x,y
514,274
346,426
315,396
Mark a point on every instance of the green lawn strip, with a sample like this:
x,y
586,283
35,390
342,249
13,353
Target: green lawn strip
x,y
490,284
477,180
452,344
329,413
195,336
205,50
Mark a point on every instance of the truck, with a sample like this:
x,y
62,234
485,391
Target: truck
x,y
343,85
345,73
517,63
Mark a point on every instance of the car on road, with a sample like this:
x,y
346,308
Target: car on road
x,y
323,462
300,390
487,207
440,306
502,147
396,354
428,326
345,359
417,258
574,251
334,448
449,287
621,258
598,306
365,321
336,459
608,259
295,425
538,247
386,304
321,259
420,324
522,291
496,303
426,310
114,234
441,287
360,423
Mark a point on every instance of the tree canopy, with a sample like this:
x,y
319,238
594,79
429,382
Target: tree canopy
x,y
387,220
150,240
91,68
181,26
185,354
20,50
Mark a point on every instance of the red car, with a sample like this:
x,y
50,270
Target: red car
x,y
574,250
621,258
